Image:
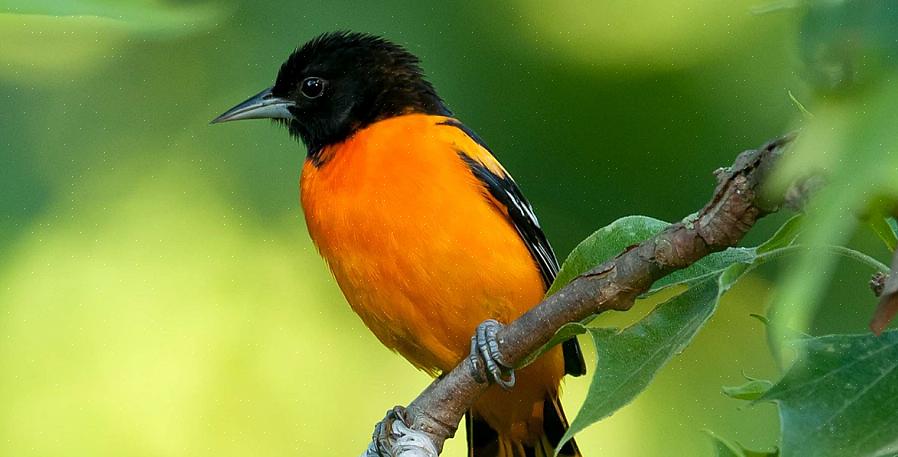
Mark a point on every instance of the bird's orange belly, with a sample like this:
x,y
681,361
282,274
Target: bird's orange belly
x,y
423,256
421,266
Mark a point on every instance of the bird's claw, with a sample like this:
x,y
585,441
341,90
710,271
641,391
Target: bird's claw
x,y
485,352
394,438
383,437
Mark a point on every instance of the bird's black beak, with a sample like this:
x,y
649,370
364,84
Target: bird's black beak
x,y
263,105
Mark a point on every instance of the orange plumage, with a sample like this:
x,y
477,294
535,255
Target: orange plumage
x,y
423,254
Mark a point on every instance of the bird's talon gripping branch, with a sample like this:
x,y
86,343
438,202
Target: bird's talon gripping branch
x,y
383,432
485,352
394,438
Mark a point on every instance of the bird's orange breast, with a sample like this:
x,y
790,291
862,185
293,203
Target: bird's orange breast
x,y
416,246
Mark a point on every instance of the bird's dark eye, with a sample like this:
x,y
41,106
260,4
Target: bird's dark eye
x,y
312,87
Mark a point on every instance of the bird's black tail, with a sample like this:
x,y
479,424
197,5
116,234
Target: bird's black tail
x,y
483,441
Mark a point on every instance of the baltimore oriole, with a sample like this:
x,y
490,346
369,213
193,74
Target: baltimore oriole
x,y
425,232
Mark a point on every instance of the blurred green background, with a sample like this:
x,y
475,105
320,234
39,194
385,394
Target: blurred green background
x,y
159,295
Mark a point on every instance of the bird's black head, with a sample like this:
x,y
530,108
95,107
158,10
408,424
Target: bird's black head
x,y
339,83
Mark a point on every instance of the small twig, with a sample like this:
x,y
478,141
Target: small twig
x,y
886,288
734,208
878,283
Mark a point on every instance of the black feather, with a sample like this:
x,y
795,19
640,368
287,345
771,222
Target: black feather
x,y
504,190
555,424
482,439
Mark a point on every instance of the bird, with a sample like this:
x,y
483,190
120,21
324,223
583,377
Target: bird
x,y
427,235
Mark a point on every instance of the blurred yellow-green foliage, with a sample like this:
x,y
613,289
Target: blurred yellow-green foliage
x,y
159,295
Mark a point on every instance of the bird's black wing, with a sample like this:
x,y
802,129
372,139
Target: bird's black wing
x,y
505,191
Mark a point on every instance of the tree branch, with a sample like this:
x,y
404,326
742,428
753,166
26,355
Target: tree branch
x,y
886,288
734,208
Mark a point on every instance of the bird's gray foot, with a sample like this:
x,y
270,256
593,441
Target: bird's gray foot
x,y
485,353
394,438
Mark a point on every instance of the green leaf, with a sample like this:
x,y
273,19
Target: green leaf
x,y
884,230
785,236
800,105
735,262
566,332
726,448
609,241
650,343
668,329
604,244
629,359
613,239
751,390
893,223
710,266
840,398
616,237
